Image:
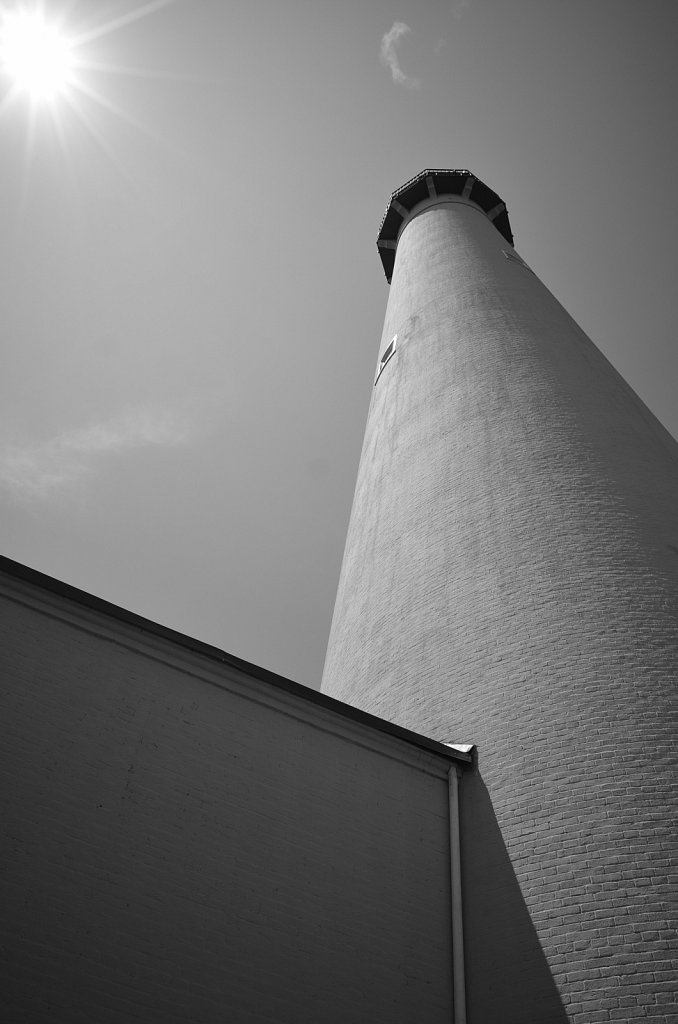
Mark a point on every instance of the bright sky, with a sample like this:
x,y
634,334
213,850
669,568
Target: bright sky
x,y
191,290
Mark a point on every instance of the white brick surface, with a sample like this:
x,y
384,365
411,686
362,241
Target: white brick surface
x,y
511,579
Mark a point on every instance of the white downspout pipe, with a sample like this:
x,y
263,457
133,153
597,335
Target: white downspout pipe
x,y
458,984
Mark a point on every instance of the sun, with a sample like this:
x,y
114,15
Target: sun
x,y
35,55
50,72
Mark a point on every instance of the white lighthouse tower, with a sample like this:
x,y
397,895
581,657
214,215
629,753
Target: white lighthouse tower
x,y
510,579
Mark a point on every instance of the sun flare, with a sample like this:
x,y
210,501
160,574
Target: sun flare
x,y
35,55
53,72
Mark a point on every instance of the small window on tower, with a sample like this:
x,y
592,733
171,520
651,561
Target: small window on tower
x,y
388,352
515,258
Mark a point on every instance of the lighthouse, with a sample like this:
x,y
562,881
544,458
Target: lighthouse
x,y
510,580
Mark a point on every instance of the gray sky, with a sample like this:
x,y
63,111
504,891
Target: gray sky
x,y
191,292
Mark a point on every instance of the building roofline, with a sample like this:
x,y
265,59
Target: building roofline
x,y
464,755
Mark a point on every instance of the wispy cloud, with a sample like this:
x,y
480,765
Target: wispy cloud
x,y
34,472
388,55
459,8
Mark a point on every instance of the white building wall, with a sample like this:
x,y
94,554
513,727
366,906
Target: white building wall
x,y
185,840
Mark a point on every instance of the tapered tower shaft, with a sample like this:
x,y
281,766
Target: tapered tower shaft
x,y
510,579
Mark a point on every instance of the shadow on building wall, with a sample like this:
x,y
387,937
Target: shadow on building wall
x,y
507,975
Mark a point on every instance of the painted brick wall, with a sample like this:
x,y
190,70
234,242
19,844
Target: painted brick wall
x,y
511,579
182,842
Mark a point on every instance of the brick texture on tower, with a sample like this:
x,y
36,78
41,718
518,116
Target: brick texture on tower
x,y
510,579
